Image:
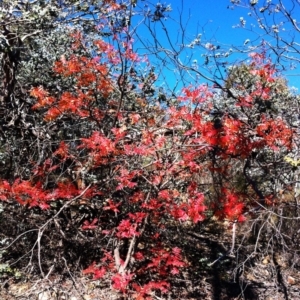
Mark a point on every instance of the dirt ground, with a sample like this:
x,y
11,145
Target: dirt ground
x,y
212,275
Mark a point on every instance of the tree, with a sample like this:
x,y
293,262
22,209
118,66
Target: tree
x,y
276,25
113,162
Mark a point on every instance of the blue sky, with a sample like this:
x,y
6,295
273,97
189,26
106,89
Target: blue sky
x,y
220,25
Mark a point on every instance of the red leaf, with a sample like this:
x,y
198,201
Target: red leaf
x,y
87,225
112,206
126,229
121,281
62,151
97,272
90,269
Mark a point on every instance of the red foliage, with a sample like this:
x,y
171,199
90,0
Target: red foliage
x,y
98,273
89,225
121,281
231,206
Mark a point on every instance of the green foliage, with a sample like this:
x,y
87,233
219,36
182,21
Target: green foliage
x,y
7,271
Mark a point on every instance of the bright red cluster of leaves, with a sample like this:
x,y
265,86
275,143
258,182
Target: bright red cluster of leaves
x,y
32,194
275,133
230,206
